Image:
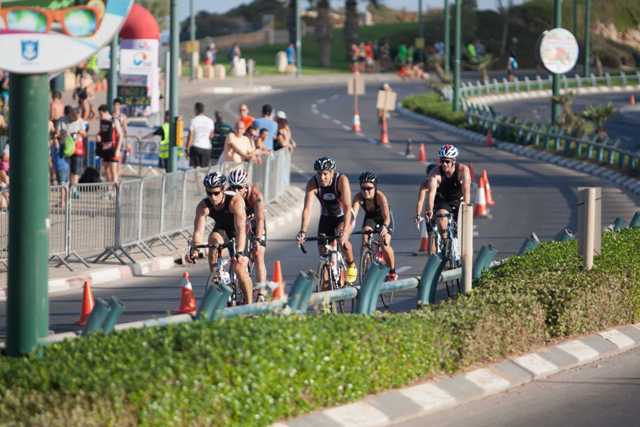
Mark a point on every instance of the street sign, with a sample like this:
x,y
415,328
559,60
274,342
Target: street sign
x,y
42,36
386,100
558,50
356,85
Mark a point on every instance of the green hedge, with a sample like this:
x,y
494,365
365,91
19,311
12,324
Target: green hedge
x,y
254,371
434,105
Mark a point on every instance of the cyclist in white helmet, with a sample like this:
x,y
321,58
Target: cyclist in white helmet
x,y
448,185
227,209
255,209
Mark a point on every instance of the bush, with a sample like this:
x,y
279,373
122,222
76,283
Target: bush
x,y
434,105
254,371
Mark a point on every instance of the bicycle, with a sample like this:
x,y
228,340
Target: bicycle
x,y
331,269
372,250
252,248
448,249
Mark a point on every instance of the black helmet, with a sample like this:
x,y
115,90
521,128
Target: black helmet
x,y
324,164
214,180
368,176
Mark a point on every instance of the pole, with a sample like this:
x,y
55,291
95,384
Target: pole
x,y
557,23
28,299
298,39
575,17
420,26
447,38
589,195
467,246
113,72
173,86
587,38
192,33
456,76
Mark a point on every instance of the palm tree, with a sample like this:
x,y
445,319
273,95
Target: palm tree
x,y
598,115
323,31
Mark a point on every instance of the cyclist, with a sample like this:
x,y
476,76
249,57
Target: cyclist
x,y
448,185
227,209
333,191
377,215
254,208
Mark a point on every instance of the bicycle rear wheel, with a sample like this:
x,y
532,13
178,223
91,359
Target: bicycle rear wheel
x,y
326,282
366,259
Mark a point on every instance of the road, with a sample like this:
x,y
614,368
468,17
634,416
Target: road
x,y
622,125
600,394
530,195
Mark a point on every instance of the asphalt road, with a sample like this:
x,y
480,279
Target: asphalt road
x,y
530,195
622,125
600,394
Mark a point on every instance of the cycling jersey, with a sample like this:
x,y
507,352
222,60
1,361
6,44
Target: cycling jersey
x,y
329,198
223,217
449,193
374,214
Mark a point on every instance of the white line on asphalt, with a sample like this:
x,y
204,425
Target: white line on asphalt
x,y
314,106
320,101
325,116
337,122
403,268
357,414
345,127
618,338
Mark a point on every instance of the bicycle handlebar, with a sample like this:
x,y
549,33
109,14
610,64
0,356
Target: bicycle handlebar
x,y
321,238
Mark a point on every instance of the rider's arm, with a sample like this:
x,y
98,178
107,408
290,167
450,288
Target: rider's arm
x,y
237,208
260,216
386,212
308,202
199,223
433,187
345,202
422,195
466,184
355,206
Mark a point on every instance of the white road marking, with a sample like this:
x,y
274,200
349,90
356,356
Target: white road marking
x,y
579,350
345,127
320,101
337,122
326,117
429,396
618,338
535,364
487,380
314,106
357,414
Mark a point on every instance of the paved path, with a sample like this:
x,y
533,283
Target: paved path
x,y
603,393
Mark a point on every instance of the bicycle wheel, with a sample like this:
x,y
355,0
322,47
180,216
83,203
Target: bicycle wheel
x,y
325,283
366,259
337,282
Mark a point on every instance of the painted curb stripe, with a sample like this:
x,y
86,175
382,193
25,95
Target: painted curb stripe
x,y
429,396
357,414
579,350
487,380
535,364
619,339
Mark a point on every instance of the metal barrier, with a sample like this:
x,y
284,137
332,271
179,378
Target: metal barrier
x,y
105,220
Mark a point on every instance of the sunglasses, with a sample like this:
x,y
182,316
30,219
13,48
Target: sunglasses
x,y
214,193
76,21
370,188
446,161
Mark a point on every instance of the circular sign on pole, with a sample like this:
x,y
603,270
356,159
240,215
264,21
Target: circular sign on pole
x,y
41,36
558,50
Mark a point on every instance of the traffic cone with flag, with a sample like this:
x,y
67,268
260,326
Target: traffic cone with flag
x,y
480,209
632,99
424,239
277,278
384,131
489,140
487,188
87,303
356,123
422,154
187,298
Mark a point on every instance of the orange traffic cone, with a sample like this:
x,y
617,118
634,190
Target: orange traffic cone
x,y
422,154
489,139
384,133
87,303
480,210
632,100
187,299
487,188
277,278
356,123
424,238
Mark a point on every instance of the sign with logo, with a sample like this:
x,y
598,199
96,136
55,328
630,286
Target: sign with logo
x,y
558,50
136,61
41,36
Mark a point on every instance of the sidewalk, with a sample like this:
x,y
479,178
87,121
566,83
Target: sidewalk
x,y
279,213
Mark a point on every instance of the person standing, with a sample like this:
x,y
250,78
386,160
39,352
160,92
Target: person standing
x,y
237,147
163,132
56,107
74,126
109,139
245,117
121,117
200,135
267,122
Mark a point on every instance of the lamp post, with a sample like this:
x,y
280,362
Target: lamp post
x,y
587,38
192,38
456,71
173,86
447,38
298,38
113,71
555,106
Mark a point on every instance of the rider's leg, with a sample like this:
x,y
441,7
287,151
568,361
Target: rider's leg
x,y
261,269
442,216
241,268
214,238
365,236
387,251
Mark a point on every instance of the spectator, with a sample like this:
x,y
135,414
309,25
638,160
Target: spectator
x,y
401,57
291,54
220,127
56,107
245,117
124,125
283,136
267,122
86,110
72,125
200,135
237,147
368,51
512,66
471,53
211,54
354,56
109,139
261,142
4,88
59,163
163,132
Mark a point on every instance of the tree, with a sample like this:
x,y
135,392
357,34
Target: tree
x,y
291,20
323,31
504,9
350,25
158,8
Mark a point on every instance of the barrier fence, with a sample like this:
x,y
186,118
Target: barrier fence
x,y
105,220
605,151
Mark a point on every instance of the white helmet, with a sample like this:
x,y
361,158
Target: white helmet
x,y
238,178
448,151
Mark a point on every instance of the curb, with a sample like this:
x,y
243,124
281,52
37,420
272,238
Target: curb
x,y
226,90
624,181
286,203
404,404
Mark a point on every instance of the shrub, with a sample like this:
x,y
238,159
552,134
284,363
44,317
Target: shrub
x,y
434,105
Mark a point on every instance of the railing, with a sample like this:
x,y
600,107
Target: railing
x,y
543,136
105,220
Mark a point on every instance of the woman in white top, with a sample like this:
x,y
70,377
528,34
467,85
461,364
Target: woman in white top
x,y
200,134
